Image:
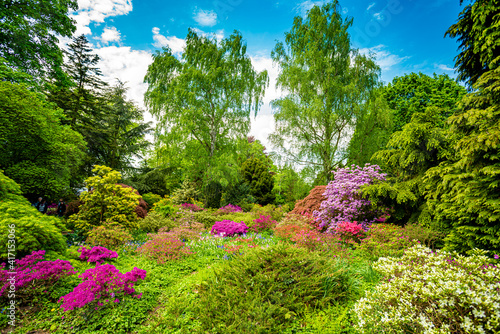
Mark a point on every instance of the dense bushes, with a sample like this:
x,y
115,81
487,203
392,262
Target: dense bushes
x,y
432,292
269,288
311,203
106,202
108,236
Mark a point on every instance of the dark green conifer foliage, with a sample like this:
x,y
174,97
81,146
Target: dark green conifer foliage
x,y
257,174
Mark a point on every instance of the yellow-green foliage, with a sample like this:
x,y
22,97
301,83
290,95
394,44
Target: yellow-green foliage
x,y
151,199
156,220
109,236
106,202
206,217
33,230
246,217
276,213
10,190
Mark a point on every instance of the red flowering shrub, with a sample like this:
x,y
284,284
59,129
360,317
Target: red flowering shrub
x,y
185,232
349,231
312,202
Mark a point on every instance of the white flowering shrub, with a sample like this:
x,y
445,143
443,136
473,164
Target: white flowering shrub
x,y
433,292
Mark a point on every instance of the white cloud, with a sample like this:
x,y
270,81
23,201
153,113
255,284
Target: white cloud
x,y
110,35
261,63
261,127
370,6
443,67
303,7
384,58
345,10
176,44
96,11
127,65
205,18
219,34
378,16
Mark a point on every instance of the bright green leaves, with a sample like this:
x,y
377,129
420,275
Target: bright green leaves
x,y
327,83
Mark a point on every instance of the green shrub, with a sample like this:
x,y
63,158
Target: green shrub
x,y
10,190
151,199
165,207
432,292
276,213
264,290
246,217
109,236
187,193
106,202
33,230
428,237
156,220
206,217
385,240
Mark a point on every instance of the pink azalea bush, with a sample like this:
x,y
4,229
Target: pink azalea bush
x,y
191,207
229,228
343,201
102,284
97,254
33,275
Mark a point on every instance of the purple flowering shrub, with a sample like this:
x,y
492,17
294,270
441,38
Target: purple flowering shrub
x,y
33,276
229,228
97,254
343,201
100,285
230,208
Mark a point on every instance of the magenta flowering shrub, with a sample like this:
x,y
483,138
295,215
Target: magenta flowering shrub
x,y
97,254
102,284
228,228
191,207
230,208
263,223
33,275
350,231
343,201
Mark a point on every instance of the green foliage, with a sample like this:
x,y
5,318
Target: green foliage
x,y
414,92
151,199
327,83
10,191
372,131
420,145
212,192
33,230
165,207
289,186
37,151
269,288
257,174
156,220
109,236
106,202
187,193
276,213
203,102
206,217
238,194
463,191
29,32
477,32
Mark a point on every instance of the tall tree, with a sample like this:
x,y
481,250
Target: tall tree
x,y
414,92
203,100
125,130
28,33
477,31
327,82
37,151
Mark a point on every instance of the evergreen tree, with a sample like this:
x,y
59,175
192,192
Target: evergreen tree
x,y
257,174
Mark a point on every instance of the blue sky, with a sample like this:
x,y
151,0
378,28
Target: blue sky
x,y
405,35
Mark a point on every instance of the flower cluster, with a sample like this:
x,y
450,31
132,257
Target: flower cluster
x,y
97,254
184,232
34,275
343,201
164,247
229,228
433,292
263,223
104,283
230,208
349,231
191,207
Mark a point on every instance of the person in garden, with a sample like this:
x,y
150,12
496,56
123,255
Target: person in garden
x,y
37,203
61,207
42,206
